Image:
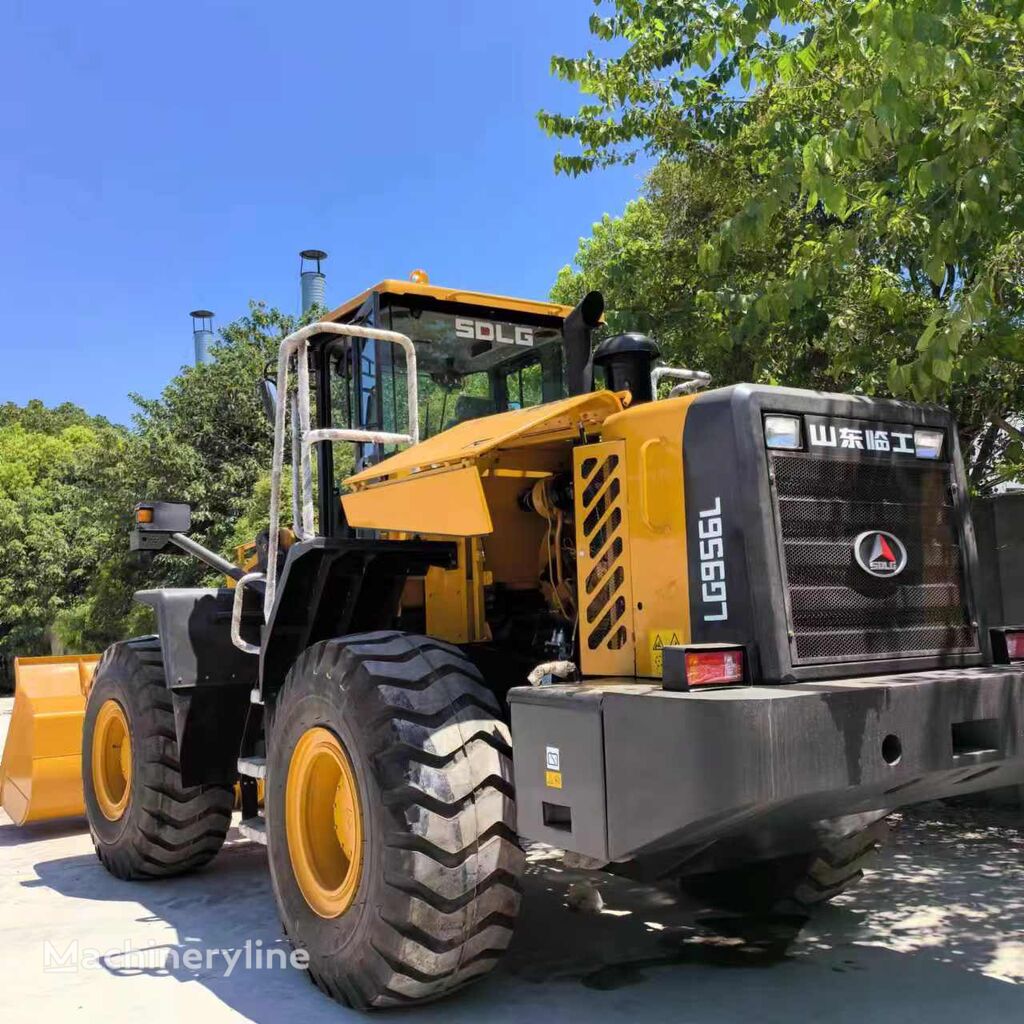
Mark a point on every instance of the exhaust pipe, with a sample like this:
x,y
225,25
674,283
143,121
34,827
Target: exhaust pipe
x,y
577,330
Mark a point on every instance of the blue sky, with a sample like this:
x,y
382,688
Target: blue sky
x,y
156,158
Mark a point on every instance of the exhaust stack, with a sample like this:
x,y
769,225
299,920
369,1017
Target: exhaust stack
x,y
311,281
577,330
202,334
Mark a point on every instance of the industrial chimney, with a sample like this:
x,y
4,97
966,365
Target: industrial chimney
x,y
312,281
202,333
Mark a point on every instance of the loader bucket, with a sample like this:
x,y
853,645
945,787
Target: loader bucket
x,y
41,772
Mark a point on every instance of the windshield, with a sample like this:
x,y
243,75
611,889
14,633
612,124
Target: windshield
x,y
468,367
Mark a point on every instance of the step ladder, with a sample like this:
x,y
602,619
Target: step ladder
x,y
254,827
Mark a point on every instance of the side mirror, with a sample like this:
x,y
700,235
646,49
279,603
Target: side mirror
x,y
155,521
268,396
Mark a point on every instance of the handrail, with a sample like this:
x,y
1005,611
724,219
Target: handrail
x,y
297,344
693,380
236,613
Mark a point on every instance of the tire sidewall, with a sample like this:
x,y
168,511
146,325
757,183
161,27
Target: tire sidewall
x,y
113,681
311,699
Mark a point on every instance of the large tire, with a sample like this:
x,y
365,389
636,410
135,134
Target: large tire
x,y
792,885
437,884
164,828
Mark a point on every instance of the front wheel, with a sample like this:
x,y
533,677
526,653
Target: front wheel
x,y
390,819
144,822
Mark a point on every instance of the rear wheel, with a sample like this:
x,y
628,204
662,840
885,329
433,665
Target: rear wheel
x,y
144,822
390,819
796,884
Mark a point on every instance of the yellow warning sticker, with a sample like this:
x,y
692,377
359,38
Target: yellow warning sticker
x,y
553,780
657,640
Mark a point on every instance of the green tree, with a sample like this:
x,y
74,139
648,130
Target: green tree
x,y
69,481
57,467
205,441
858,169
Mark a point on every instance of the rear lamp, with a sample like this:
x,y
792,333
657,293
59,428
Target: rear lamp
x,y
143,515
1007,645
928,443
703,665
783,432
714,668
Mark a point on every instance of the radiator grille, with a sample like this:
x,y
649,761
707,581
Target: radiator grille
x,y
838,612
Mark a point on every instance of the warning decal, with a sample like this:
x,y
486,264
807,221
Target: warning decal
x,y
657,640
553,766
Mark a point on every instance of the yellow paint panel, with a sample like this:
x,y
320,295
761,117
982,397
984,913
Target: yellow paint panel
x,y
449,503
41,773
484,300
446,596
653,437
555,421
454,598
656,500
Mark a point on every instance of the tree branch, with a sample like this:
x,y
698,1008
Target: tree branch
x,y
1008,428
985,449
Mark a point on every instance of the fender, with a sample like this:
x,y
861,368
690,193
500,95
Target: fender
x,y
209,679
331,586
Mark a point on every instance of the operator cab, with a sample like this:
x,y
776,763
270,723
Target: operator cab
x,y
476,354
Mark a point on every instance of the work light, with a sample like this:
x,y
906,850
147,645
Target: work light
x,y
783,432
928,443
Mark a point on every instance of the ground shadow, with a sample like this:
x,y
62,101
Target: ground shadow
x,y
39,832
951,888
911,943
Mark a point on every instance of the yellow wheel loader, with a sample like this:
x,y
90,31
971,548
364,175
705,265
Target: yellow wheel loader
x,y
549,591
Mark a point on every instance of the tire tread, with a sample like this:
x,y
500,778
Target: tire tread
x,y
450,860
181,827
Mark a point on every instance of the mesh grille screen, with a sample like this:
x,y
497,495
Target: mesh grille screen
x,y
838,612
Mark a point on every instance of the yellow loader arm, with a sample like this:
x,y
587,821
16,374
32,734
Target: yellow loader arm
x,y
41,772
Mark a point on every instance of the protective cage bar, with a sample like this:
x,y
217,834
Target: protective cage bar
x,y
297,345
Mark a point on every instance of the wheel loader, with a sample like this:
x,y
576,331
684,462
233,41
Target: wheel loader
x,y
530,588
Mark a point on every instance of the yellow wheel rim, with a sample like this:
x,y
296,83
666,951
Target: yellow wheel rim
x,y
323,822
111,760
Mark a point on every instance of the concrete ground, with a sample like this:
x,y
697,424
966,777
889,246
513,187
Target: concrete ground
x,y
936,934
